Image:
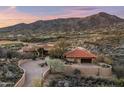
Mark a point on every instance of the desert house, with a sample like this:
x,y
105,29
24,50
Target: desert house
x,y
31,48
46,48
79,55
82,60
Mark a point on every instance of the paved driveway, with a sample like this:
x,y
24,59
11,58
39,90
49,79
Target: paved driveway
x,y
33,71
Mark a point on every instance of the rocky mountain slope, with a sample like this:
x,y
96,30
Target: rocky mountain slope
x,y
69,24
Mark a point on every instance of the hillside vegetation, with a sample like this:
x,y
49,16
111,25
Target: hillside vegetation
x,y
101,33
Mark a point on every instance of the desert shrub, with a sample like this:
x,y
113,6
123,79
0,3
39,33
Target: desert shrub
x,y
118,71
40,52
56,65
77,72
29,55
100,58
95,61
52,83
108,60
26,55
35,55
37,83
59,49
9,54
73,81
9,73
119,82
103,59
3,52
13,54
13,46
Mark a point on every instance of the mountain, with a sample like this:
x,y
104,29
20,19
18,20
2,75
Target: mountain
x,y
101,19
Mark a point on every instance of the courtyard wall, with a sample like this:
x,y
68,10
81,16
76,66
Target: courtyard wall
x,y
89,70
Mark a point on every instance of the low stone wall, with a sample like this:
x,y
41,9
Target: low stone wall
x,y
106,72
46,73
21,81
100,71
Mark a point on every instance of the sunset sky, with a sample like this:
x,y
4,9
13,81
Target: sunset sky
x,y
10,15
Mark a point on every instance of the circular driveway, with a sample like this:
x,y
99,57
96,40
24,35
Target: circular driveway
x,y
33,71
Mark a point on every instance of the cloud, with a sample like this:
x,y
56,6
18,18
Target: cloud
x,y
12,13
72,12
84,8
10,16
12,7
87,8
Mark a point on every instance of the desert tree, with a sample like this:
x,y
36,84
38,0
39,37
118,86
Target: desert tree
x,y
59,49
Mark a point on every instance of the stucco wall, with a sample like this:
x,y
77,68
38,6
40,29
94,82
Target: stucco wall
x,y
69,59
78,60
106,72
90,71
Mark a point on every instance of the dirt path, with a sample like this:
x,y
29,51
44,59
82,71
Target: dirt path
x,y
33,71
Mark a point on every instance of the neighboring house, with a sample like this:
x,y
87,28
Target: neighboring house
x,y
79,55
31,48
11,36
46,47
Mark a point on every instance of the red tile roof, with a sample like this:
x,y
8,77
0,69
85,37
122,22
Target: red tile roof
x,y
79,53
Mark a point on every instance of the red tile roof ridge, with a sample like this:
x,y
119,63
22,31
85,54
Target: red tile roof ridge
x,y
79,52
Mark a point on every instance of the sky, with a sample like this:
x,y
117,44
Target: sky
x,y
11,15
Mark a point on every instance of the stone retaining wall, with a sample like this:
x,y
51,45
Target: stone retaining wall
x,y
100,71
21,81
